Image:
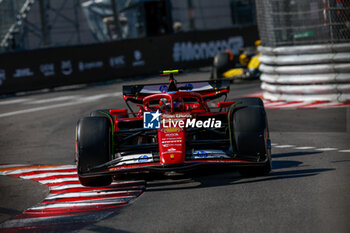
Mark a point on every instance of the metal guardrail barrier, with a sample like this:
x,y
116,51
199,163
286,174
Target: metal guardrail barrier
x,y
290,74
305,49
300,22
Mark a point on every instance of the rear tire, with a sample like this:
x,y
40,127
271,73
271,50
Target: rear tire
x,y
94,138
249,101
221,64
251,134
105,113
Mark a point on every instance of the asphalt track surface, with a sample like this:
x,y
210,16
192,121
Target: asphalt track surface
x,y
308,189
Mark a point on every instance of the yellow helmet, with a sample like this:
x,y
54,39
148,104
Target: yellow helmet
x,y
243,59
257,43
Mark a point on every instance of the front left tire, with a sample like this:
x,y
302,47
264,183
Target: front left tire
x,y
94,147
250,134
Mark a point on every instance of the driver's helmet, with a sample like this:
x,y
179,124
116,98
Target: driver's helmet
x,y
164,104
179,105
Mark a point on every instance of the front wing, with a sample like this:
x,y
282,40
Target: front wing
x,y
109,169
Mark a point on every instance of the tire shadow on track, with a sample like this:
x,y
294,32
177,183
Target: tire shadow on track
x,y
281,169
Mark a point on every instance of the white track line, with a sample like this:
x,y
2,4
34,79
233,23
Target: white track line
x,y
326,149
284,146
81,100
305,147
15,101
40,109
56,99
344,151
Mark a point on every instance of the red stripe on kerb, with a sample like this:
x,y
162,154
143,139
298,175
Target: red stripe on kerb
x,y
218,161
82,189
55,177
49,228
77,199
42,172
85,200
75,210
62,183
97,197
57,212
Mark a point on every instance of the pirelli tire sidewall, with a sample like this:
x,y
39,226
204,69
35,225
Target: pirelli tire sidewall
x,y
94,147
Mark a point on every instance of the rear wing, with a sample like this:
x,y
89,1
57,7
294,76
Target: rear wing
x,y
209,90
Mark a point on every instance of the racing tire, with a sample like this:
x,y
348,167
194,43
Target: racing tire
x,y
251,135
105,113
249,101
94,147
220,65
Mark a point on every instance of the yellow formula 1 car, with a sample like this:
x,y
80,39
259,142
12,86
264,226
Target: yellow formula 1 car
x,y
226,65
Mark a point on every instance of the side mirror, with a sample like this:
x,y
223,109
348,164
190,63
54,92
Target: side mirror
x,y
118,112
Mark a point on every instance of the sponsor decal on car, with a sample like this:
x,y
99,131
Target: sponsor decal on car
x,y
167,152
172,150
171,130
201,154
171,141
169,145
153,89
134,158
163,88
143,159
207,154
171,135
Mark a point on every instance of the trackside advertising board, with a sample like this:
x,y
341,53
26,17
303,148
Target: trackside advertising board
x,y
47,68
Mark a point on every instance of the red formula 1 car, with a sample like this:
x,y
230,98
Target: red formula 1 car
x,y
173,130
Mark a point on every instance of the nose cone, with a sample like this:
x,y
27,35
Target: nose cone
x,y
172,145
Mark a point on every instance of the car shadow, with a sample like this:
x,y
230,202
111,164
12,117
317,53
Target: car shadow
x,y
211,178
293,154
205,178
